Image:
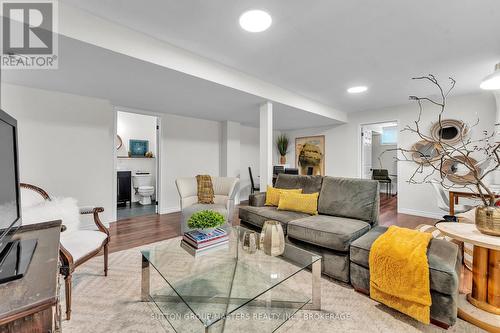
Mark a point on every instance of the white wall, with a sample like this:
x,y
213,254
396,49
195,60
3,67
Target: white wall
x,y
342,144
189,147
67,146
138,127
230,149
65,143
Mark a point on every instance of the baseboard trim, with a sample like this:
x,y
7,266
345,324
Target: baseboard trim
x,y
169,210
431,215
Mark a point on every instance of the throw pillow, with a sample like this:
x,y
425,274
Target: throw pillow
x,y
205,189
298,202
273,195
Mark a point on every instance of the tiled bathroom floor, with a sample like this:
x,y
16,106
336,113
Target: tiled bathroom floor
x,y
133,210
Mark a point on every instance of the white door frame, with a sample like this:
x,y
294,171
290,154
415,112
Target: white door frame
x,y
360,143
158,186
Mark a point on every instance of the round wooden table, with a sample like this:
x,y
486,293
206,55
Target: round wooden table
x,y
482,306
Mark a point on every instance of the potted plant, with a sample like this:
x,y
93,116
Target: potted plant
x,y
282,145
206,221
460,163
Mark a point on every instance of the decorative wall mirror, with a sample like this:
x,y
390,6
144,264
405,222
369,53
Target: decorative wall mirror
x,y
456,171
449,131
119,142
425,152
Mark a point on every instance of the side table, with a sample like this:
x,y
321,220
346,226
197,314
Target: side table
x,y
482,306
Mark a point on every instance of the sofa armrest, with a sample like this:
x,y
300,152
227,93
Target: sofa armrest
x,y
257,199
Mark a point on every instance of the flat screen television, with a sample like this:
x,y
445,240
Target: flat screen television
x,y
15,255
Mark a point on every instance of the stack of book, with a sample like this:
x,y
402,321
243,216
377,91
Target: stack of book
x,y
197,243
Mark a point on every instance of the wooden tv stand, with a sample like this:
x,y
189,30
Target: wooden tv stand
x,y
30,304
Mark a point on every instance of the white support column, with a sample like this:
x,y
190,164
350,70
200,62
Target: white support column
x,y
266,145
230,154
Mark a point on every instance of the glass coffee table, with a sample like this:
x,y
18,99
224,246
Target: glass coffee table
x,y
229,289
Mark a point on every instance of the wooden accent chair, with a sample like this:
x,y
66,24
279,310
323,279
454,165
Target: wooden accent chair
x,y
78,246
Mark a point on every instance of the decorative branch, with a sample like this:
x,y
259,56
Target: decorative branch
x,y
456,156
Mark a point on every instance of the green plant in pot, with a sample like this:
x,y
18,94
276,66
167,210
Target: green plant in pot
x,y
206,221
282,145
462,162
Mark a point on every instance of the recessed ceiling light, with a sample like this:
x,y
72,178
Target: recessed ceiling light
x,y
255,20
492,81
357,90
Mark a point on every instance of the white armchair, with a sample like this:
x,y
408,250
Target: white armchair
x,y
76,245
225,190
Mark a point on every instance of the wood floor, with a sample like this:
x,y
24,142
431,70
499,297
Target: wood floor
x,y
144,230
137,231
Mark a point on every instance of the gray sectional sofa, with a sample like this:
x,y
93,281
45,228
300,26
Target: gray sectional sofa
x,y
348,208
344,232
444,270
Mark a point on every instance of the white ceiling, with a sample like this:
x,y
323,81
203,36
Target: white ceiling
x,y
319,48
89,70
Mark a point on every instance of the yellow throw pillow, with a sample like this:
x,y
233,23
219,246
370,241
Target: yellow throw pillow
x,y
273,195
298,202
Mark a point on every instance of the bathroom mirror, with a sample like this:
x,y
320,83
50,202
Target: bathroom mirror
x,y
456,171
119,142
450,131
425,152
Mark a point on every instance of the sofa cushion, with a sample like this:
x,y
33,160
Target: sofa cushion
x,y
308,184
331,232
441,255
360,248
348,197
258,215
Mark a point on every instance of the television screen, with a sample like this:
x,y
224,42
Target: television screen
x,y
9,205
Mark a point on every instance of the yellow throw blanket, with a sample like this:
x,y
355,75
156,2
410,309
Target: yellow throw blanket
x,y
399,272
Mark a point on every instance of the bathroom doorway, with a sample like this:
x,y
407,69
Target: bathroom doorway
x,y
136,165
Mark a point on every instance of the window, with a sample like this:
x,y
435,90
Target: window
x,y
389,135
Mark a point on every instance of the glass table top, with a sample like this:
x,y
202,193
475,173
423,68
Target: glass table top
x,y
224,281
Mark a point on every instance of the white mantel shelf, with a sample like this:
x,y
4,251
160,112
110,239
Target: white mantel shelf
x,y
132,158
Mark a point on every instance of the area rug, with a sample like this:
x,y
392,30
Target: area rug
x,y
112,304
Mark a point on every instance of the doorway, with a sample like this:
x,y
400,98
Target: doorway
x,y
379,142
137,165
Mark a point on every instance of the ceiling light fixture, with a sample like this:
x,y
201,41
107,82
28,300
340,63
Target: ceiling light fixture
x,y
492,81
357,90
255,20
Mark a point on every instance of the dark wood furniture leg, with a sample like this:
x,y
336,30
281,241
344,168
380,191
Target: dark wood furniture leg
x,y
106,251
67,291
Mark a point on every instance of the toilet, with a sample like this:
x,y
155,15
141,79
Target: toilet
x,y
141,182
